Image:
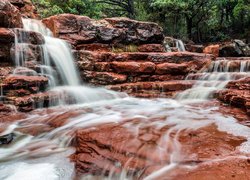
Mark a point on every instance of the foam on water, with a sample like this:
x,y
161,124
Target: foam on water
x,y
45,156
215,78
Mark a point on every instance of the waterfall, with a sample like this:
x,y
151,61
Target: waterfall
x,y
154,126
55,52
215,78
57,63
180,45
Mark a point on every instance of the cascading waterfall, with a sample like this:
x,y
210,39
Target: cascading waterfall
x,y
215,78
54,52
180,45
45,156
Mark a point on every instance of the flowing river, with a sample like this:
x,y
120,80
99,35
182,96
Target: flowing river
x,y
44,155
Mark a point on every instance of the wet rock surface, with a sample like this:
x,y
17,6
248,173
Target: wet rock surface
x,y
114,147
237,94
83,30
106,68
10,16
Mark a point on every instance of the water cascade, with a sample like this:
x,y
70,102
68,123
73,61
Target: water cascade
x,y
45,156
180,45
215,78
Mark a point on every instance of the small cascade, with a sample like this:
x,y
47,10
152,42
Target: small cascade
x,y
42,139
55,52
215,78
57,63
180,45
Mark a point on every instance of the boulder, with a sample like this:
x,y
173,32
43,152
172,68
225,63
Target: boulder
x,y
237,94
10,16
82,30
212,49
26,8
31,83
235,48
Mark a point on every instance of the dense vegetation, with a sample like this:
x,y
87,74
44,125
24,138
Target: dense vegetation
x,y
197,20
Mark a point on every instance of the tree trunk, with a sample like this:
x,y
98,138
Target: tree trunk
x,y
131,9
189,22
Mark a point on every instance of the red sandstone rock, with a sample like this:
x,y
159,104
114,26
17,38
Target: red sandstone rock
x,y
28,82
26,8
103,78
30,37
94,47
6,35
174,69
153,89
83,30
237,95
133,67
113,147
212,49
242,84
151,48
10,17
106,68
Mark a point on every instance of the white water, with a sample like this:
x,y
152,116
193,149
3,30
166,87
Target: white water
x,y
54,52
215,78
45,156
180,45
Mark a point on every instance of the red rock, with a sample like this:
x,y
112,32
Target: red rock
x,y
6,35
10,17
26,8
172,68
156,89
151,48
242,84
81,30
103,78
21,81
212,49
30,37
94,47
133,67
113,147
238,98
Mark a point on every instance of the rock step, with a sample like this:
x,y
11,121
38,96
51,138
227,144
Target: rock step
x,y
170,57
237,94
232,58
238,98
218,76
146,89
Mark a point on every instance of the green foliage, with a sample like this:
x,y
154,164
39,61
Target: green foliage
x,y
198,20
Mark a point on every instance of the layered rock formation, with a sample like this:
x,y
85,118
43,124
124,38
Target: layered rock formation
x,y
109,32
237,94
121,52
